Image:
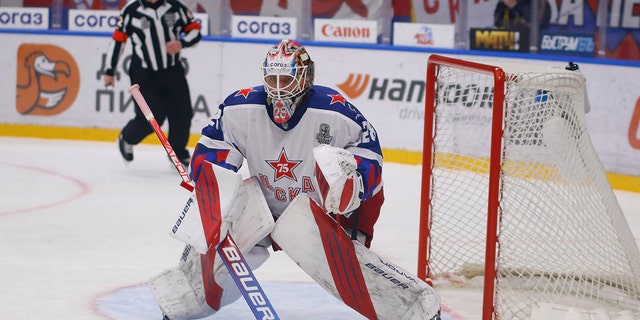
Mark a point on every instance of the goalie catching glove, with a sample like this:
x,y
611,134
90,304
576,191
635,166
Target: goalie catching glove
x,y
341,187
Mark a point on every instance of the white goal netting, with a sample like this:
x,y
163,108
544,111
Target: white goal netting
x,y
561,240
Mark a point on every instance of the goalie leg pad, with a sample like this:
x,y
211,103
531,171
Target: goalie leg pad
x,y
182,293
368,214
179,290
369,284
221,203
201,283
218,197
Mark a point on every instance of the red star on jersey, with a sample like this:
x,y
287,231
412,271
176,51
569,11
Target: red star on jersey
x,y
284,167
244,92
336,98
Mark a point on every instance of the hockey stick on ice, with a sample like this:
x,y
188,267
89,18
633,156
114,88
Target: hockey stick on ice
x,y
229,252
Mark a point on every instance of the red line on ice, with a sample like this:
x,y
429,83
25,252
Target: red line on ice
x,y
83,189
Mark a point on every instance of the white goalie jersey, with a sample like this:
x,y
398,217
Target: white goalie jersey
x,y
315,164
280,155
284,159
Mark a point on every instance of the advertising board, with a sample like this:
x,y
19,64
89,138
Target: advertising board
x,y
424,35
388,86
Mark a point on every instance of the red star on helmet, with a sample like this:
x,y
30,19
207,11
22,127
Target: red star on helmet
x,y
336,98
244,92
283,166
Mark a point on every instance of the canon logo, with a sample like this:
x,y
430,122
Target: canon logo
x,y
346,32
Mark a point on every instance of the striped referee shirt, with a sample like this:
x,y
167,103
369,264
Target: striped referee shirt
x,y
150,26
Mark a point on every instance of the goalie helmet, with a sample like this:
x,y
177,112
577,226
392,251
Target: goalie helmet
x,y
287,75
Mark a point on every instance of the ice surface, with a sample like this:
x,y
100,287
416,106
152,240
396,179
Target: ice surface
x,y
81,232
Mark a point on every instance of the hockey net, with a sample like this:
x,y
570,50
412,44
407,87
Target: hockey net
x,y
515,198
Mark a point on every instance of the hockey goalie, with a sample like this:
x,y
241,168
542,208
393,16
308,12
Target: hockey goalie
x,y
315,192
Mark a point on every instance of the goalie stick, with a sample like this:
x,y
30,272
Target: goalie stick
x,y
245,280
229,252
134,90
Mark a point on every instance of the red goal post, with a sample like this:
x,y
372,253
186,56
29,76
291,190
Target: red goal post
x,y
435,61
514,197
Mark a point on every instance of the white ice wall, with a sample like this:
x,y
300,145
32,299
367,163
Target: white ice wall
x,y
392,97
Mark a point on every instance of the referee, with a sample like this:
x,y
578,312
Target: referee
x,y
158,29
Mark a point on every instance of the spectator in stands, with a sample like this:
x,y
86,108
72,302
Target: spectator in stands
x,y
48,3
79,4
516,14
108,4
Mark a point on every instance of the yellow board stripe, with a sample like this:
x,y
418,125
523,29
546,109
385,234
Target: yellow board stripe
x,y
71,133
617,181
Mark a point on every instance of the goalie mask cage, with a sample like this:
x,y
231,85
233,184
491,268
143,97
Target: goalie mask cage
x,y
515,197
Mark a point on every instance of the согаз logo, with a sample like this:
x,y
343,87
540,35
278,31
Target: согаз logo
x,y
48,80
